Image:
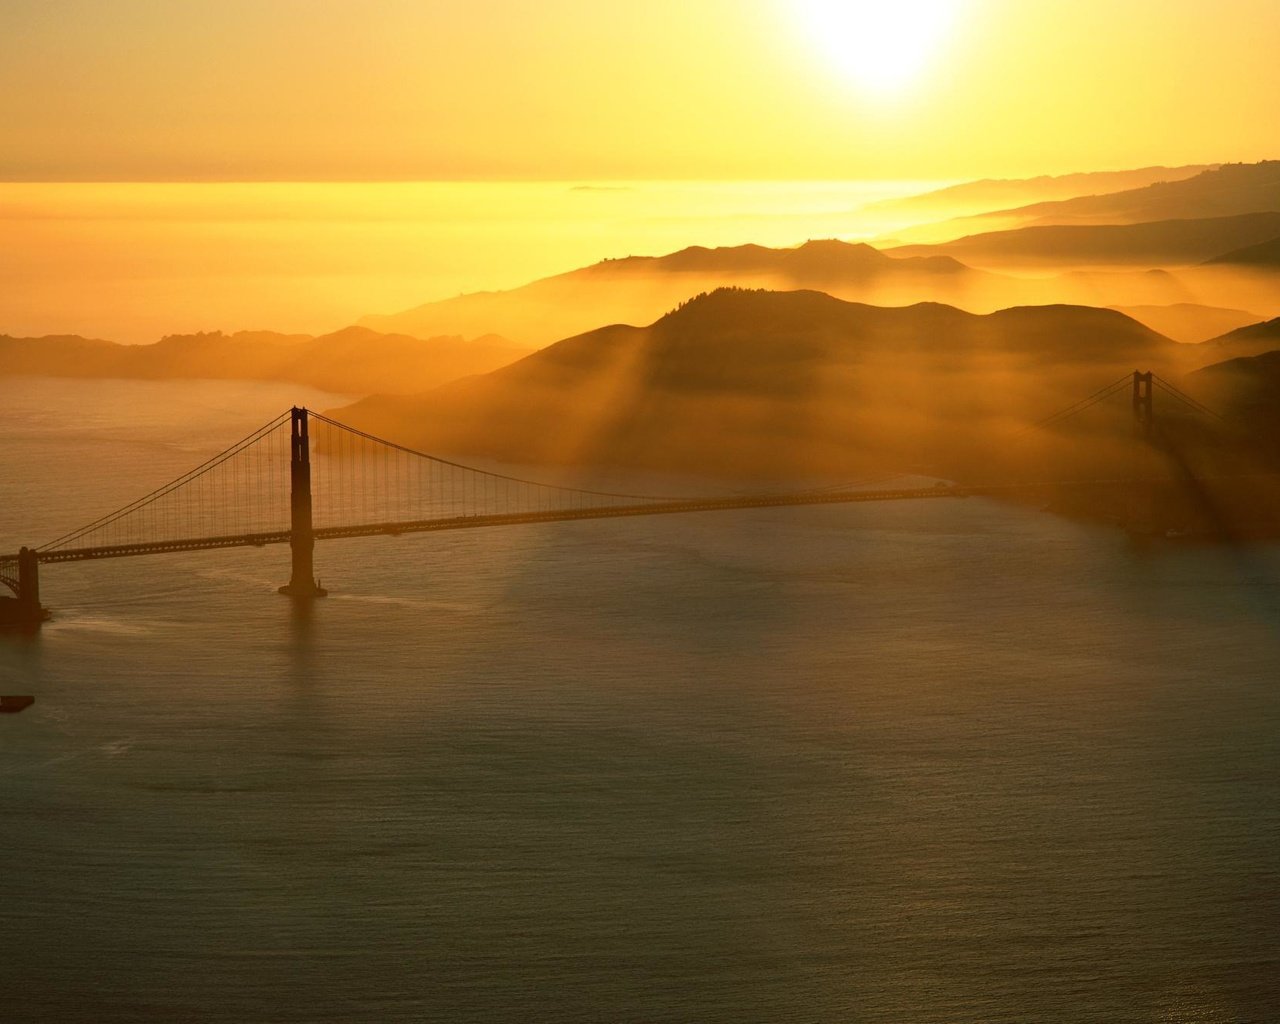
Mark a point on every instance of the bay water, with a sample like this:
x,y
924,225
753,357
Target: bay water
x,y
913,762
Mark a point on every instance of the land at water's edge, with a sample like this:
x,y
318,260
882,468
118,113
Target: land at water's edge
x,y
1207,510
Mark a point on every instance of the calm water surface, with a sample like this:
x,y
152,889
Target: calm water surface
x,y
917,762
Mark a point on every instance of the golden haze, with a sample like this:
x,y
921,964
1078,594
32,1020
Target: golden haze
x,y
718,89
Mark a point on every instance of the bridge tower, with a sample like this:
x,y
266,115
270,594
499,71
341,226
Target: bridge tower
x,y
1143,411
1143,500
302,539
30,613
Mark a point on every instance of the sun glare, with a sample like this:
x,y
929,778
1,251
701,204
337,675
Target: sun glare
x,y
880,44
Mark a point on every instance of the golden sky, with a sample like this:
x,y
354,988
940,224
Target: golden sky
x,y
328,90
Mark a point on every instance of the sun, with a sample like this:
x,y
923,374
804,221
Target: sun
x,y
881,44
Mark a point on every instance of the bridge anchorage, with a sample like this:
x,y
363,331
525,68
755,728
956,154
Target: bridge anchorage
x,y
352,484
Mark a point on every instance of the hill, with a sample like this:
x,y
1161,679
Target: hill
x,y
1158,243
757,382
1224,191
1263,256
637,289
997,194
1189,322
1262,370
1244,341
353,360
1248,388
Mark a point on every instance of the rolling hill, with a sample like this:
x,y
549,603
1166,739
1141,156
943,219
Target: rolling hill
x,y
1189,322
1153,244
1248,388
1252,340
1263,256
1223,191
757,382
975,197
353,360
638,289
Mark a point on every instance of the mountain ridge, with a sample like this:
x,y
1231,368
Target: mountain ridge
x,y
1174,242
353,359
1263,255
640,288
1223,190
755,381
984,192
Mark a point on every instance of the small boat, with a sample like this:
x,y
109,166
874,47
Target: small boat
x,y
12,705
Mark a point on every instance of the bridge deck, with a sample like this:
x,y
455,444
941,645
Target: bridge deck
x,y
656,508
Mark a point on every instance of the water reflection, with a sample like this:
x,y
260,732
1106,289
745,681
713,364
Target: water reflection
x,y
301,664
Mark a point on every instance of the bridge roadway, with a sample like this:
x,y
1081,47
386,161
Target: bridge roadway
x,y
655,508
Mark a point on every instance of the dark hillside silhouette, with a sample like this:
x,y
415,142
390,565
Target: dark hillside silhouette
x,y
638,289
758,382
975,197
1223,191
1181,242
1263,256
1249,388
1188,321
1244,341
355,359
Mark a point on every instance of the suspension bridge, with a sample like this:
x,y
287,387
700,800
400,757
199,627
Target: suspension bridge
x,y
305,477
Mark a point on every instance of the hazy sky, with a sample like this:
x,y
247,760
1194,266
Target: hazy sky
x,y
562,89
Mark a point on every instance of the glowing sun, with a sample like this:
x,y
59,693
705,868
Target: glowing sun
x,y
881,44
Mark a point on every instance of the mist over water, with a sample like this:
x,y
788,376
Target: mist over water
x,y
131,262
936,761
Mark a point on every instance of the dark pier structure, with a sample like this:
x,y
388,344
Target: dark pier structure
x,y
22,576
